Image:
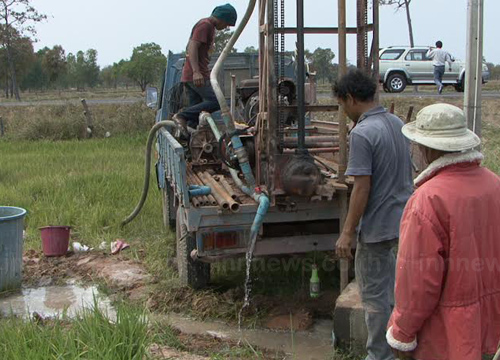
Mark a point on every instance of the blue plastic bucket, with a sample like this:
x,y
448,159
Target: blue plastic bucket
x,y
11,247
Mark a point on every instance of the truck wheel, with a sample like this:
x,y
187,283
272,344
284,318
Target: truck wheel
x,y
459,87
168,206
396,83
192,273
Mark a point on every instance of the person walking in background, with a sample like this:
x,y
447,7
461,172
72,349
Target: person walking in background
x,y
195,74
379,161
439,59
448,266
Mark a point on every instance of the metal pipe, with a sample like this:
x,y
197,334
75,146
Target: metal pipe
x,y
343,203
220,194
229,189
313,139
238,147
315,150
207,200
203,200
301,114
233,95
376,44
312,145
223,203
227,50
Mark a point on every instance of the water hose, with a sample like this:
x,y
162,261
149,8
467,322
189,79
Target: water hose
x,y
147,169
239,150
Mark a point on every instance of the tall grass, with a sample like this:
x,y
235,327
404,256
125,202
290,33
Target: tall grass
x,y
66,122
90,336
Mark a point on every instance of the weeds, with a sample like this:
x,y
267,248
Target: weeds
x,y
92,335
66,122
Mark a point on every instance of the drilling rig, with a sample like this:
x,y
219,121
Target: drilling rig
x,y
278,187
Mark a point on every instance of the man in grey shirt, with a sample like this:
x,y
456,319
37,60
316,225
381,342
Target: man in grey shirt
x,y
379,161
439,59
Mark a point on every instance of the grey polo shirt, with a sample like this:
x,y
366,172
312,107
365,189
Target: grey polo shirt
x,y
379,149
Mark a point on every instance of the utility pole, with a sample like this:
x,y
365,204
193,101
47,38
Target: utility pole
x,y
474,66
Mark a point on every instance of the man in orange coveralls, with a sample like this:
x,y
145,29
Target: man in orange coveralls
x,y
448,267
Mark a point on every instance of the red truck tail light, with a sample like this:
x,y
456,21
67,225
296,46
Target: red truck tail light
x,y
220,240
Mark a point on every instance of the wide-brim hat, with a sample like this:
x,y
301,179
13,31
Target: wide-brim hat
x,y
441,127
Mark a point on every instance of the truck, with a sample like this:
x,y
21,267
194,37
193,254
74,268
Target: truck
x,y
269,182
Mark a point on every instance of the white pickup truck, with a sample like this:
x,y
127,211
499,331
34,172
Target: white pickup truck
x,y
401,66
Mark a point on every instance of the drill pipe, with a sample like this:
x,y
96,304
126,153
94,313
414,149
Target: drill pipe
x,y
219,191
222,180
216,192
210,198
293,145
203,200
315,151
313,139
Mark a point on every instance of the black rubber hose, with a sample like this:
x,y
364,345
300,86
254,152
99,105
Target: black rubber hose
x,y
147,169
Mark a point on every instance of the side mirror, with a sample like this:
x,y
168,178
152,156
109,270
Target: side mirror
x,y
152,97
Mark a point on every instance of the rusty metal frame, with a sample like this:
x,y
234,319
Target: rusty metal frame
x,y
268,149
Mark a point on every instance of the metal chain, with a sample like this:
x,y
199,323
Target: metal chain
x,y
366,36
281,115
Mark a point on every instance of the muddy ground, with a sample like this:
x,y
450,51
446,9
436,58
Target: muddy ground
x,y
124,279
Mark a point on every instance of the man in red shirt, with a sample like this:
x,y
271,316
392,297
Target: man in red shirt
x,y
195,74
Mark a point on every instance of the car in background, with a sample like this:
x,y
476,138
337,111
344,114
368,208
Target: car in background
x,y
403,65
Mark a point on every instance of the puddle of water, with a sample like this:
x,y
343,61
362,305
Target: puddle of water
x,y
54,301
315,344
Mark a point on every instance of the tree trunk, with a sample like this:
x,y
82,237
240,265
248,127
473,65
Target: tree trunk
x,y
408,18
410,31
12,69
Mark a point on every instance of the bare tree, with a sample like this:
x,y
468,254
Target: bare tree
x,y
17,17
400,4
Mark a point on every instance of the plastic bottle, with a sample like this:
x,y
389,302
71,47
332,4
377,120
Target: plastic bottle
x,y
314,284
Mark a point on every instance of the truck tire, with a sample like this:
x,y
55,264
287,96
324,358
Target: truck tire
x,y
396,83
194,274
168,206
459,87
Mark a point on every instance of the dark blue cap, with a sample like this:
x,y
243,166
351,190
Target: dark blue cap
x,y
226,13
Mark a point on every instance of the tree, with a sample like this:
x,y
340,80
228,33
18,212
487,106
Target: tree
x,y
146,64
83,69
36,78
23,58
322,61
251,50
221,39
54,63
17,17
400,4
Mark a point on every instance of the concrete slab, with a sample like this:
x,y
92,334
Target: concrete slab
x,y
349,319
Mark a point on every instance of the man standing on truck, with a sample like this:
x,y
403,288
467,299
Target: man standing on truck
x,y
379,161
195,74
439,59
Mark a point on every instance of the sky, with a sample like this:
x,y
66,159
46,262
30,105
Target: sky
x,y
115,27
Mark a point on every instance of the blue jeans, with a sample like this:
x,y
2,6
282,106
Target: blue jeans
x,y
200,99
438,75
375,266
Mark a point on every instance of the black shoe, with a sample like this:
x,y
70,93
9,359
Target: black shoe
x,y
440,90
